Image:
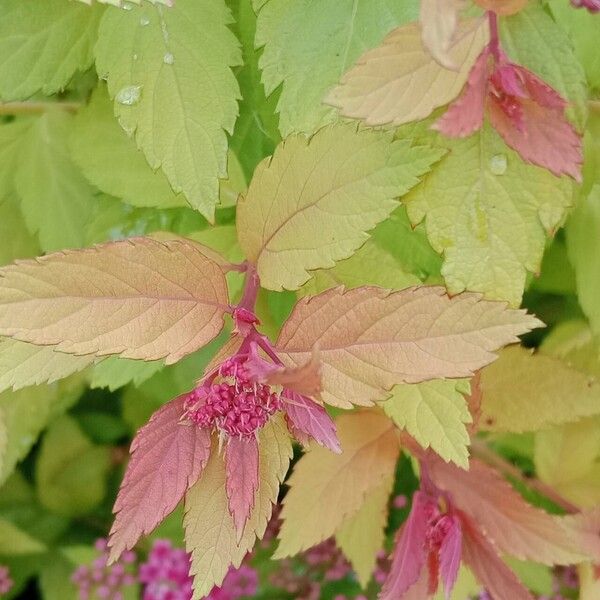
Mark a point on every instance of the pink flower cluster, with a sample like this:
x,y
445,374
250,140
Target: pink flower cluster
x,y
165,574
592,5
6,582
238,583
237,405
102,581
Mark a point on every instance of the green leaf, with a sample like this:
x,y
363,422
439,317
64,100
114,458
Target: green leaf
x,y
17,242
488,213
534,40
55,580
57,201
583,245
110,160
256,131
15,541
322,194
26,413
308,46
23,364
43,44
114,372
169,71
70,471
434,413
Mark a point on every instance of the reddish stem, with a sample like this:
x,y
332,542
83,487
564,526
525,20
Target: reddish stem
x,y
494,34
251,287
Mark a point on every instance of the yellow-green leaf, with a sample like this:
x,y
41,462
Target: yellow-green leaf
x,y
15,541
312,203
140,298
169,71
489,213
326,488
526,392
434,413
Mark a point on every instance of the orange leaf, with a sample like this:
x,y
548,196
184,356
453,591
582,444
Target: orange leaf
x,y
139,298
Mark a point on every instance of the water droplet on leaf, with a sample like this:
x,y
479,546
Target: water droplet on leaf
x,y
144,21
498,164
129,95
168,58
127,6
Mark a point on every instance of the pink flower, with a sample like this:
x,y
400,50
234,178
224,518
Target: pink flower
x,y
592,5
6,583
99,580
165,574
526,112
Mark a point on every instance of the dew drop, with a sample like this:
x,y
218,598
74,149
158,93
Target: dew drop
x,y
144,21
135,57
127,6
168,58
129,95
498,164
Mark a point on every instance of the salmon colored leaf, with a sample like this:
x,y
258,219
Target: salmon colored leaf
x,y
326,488
371,339
439,21
400,81
167,458
312,203
241,463
410,551
308,420
481,557
450,553
516,527
138,298
210,533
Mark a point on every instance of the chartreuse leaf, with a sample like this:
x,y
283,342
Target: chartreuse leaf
x,y
400,81
309,45
210,534
326,489
23,364
15,541
488,213
70,471
17,241
312,203
566,458
140,298
115,165
56,200
26,413
256,131
533,39
169,72
43,44
123,3
434,413
114,372
370,339
527,392
362,535
583,243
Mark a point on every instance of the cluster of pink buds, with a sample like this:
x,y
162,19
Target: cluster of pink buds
x,y
165,574
6,582
236,405
238,583
592,5
102,581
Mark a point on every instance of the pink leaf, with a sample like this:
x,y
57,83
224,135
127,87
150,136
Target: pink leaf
x,y
465,115
547,139
481,557
307,418
410,552
241,459
450,553
167,458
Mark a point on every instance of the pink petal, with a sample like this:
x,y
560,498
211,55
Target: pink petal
x,y
241,460
547,139
167,458
450,553
481,557
309,419
410,553
465,114
540,92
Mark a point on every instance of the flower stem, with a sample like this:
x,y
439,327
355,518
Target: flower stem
x,y
494,35
251,287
